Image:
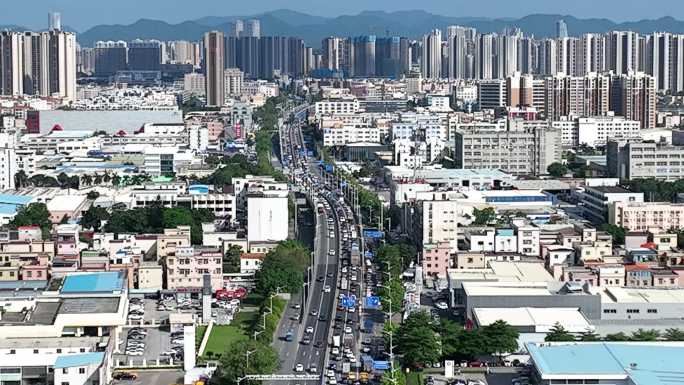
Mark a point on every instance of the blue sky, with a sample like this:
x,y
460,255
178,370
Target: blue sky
x,y
82,14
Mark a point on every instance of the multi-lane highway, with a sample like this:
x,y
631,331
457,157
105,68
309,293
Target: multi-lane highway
x,y
324,327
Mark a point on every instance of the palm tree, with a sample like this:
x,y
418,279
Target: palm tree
x,y
106,178
87,179
98,179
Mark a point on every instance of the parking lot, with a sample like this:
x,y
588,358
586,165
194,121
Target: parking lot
x,y
148,335
153,377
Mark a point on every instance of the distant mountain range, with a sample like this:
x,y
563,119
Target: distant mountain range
x,y
313,29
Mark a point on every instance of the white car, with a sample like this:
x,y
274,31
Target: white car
x,y
299,368
335,351
348,329
330,373
351,359
135,317
441,305
134,352
309,330
351,310
326,288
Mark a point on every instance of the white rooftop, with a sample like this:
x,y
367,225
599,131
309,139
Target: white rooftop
x,y
65,202
541,319
636,295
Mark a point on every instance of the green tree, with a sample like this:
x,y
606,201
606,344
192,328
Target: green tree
x,y
235,363
394,290
87,180
557,169
499,338
674,334
589,335
35,214
618,233
645,335
283,267
93,218
212,160
484,216
451,333
40,180
63,180
92,195
558,334
21,179
617,337
129,221
417,341
394,377
231,260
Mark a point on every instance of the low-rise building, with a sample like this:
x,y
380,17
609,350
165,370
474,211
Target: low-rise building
x,y
67,206
187,266
436,259
642,216
221,204
150,276
517,150
619,363
251,262
596,201
596,130
645,159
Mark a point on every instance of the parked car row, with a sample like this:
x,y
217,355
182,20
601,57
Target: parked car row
x,y
136,309
135,343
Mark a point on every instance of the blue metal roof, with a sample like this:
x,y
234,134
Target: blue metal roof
x,y
74,360
645,363
505,232
93,282
15,199
8,209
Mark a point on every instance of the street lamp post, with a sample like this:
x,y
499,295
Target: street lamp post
x,y
390,314
247,354
278,289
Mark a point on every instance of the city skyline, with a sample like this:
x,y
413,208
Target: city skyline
x,y
82,15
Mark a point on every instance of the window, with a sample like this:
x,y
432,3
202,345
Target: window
x,y
35,351
65,382
609,311
632,311
652,311
81,370
59,350
65,370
